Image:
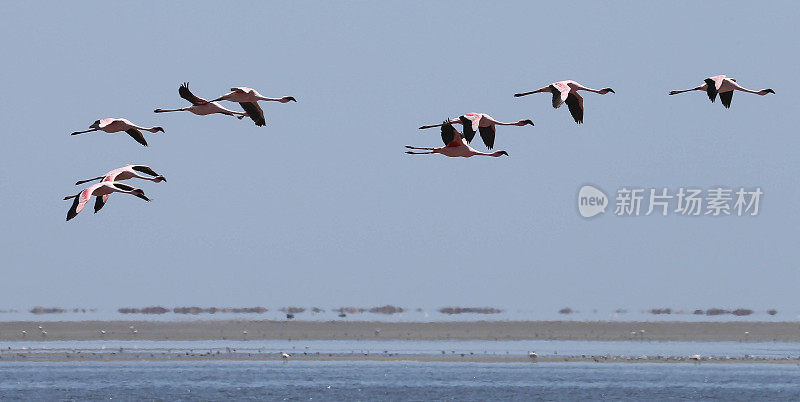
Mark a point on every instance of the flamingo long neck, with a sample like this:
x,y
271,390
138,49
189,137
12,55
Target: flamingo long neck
x,y
264,98
150,129
583,88
743,89
493,154
516,123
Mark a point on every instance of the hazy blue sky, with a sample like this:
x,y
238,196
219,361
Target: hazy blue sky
x,y
322,207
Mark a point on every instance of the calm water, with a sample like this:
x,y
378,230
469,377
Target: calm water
x,y
364,380
423,347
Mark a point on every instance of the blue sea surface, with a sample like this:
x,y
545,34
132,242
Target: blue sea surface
x,y
368,380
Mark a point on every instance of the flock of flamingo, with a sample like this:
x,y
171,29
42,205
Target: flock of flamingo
x,y
110,182
456,144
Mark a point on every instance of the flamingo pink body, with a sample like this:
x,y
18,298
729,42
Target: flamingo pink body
x,y
474,122
100,190
200,106
248,98
115,125
133,171
454,145
567,92
724,86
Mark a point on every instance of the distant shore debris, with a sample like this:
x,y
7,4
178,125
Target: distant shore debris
x,y
214,310
146,310
387,309
46,310
291,311
469,310
52,310
349,310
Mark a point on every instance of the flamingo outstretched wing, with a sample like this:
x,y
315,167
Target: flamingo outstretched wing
x,y
255,112
99,202
144,169
714,83
559,96
80,201
450,136
726,98
137,135
185,93
487,135
575,104
470,124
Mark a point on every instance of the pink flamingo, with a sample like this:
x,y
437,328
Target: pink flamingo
x,y
111,125
200,106
724,86
99,190
128,172
482,122
454,145
567,92
248,98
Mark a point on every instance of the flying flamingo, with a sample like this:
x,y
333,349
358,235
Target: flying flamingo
x,y
124,173
724,86
482,122
200,106
128,172
567,92
248,98
111,125
98,190
454,145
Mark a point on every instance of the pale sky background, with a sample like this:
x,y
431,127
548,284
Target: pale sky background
x,y
322,207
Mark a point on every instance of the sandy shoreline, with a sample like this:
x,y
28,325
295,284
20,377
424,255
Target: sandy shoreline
x,y
475,330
